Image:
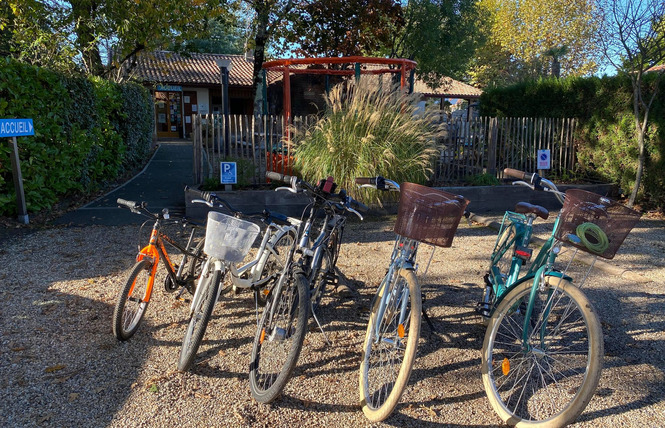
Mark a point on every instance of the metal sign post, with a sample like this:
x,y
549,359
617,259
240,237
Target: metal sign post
x,y
17,128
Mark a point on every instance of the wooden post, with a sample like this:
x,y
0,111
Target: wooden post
x,y
494,135
18,183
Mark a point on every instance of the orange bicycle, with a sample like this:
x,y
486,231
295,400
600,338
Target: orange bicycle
x,y
135,295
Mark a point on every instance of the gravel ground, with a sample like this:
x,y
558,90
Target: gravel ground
x,y
61,366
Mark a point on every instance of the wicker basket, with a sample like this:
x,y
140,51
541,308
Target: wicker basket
x,y
600,223
429,215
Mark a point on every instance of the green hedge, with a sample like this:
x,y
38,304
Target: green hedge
x,y
87,131
606,140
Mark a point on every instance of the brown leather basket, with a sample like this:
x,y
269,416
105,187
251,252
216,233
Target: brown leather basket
x,y
600,223
429,215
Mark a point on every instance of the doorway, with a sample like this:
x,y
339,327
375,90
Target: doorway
x,y
168,110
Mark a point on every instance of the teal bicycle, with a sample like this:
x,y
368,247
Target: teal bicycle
x,y
543,348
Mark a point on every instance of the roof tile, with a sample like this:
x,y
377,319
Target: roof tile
x,y
193,68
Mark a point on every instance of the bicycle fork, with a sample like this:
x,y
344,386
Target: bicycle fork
x,y
206,274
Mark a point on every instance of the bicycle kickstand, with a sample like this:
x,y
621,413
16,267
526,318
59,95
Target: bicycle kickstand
x,y
325,336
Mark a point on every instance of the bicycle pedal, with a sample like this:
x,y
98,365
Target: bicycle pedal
x,y
331,278
483,309
183,299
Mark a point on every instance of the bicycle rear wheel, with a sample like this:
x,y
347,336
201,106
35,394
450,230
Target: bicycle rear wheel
x,y
198,322
132,301
390,345
279,338
549,380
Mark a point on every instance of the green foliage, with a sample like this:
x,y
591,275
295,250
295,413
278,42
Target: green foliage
x,y
483,180
606,138
69,35
367,130
83,137
316,28
441,36
531,38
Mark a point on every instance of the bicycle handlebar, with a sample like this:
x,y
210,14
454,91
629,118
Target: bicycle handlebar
x,y
534,181
378,183
324,191
130,204
520,175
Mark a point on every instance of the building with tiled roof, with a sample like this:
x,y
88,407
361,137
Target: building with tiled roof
x,y
452,91
183,85
186,84
449,88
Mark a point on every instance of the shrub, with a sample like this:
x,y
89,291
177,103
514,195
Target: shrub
x,y
367,130
86,131
606,140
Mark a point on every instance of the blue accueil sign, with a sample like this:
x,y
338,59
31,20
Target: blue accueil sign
x,y
229,172
169,88
16,127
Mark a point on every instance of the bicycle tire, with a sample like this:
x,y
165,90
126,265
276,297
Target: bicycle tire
x,y
198,322
279,339
378,396
512,392
133,301
194,265
273,264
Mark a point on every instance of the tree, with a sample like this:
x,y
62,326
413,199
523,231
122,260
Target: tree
x,y
37,33
221,35
331,28
268,16
99,37
441,36
633,41
524,35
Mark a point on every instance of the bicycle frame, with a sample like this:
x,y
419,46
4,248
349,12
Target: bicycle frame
x,y
156,250
254,267
402,257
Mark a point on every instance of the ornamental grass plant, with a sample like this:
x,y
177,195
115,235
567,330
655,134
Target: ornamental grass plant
x,y
369,128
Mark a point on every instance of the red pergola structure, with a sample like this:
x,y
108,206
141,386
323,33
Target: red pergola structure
x,y
373,66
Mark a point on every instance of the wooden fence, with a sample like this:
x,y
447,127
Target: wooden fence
x,y
467,148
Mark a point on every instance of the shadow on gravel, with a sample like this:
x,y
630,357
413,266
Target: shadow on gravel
x,y
61,365
630,319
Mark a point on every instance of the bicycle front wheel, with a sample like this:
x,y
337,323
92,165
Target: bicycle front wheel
x,y
549,378
273,262
198,322
279,338
133,301
390,345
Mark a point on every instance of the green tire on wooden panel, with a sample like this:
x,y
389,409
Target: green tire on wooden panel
x,y
387,360
549,381
132,301
198,322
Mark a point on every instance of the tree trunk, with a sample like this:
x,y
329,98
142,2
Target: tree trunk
x,y
260,40
641,130
84,14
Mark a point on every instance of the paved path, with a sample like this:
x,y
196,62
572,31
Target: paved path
x,y
161,184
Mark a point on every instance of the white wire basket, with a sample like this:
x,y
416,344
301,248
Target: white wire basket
x,y
229,238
